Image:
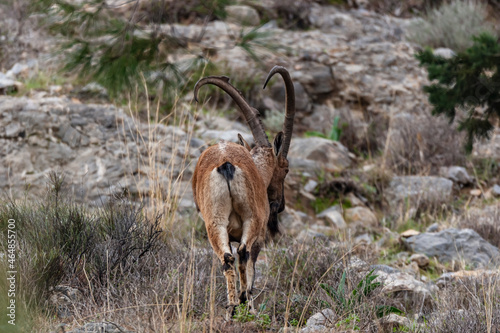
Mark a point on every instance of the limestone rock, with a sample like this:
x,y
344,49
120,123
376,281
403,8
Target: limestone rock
x,y
444,52
457,174
325,317
455,244
242,14
484,277
393,322
495,190
419,190
309,236
333,216
421,259
319,153
361,215
317,79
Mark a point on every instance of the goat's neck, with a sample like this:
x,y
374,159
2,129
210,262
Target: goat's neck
x,y
266,162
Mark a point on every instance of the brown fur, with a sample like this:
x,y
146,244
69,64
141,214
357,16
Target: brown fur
x,y
239,191
239,214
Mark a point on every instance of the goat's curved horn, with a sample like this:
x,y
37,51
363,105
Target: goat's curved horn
x,y
250,114
289,105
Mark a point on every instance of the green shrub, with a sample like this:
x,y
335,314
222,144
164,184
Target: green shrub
x,y
452,25
467,87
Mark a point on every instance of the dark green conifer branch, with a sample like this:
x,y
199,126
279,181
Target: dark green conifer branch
x,y
467,87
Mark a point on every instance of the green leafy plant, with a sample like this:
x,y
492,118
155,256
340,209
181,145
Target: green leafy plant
x,y
345,304
468,83
243,314
334,134
351,322
126,49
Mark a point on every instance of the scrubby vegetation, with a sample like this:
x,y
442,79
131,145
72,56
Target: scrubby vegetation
x,y
452,25
467,83
139,257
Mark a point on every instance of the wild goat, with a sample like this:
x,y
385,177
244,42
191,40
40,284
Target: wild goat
x,y
239,190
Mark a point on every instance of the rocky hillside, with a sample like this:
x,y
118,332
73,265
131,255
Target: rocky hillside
x,y
396,187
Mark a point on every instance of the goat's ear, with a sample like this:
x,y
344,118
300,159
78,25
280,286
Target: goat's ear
x,y
242,142
278,143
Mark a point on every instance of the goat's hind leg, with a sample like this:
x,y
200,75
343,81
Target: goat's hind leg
x,y
250,271
220,243
243,255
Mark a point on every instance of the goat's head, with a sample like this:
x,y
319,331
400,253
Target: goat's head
x,y
274,158
276,189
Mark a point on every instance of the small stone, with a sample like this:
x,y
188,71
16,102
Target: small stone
x,y
333,216
456,174
13,130
394,321
421,259
242,14
433,228
310,236
355,201
409,233
476,192
323,318
55,90
495,190
361,214
363,239
444,52
310,185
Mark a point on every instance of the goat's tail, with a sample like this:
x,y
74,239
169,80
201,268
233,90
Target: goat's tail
x,y
227,171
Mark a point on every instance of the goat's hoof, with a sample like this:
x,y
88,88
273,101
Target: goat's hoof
x,y
230,311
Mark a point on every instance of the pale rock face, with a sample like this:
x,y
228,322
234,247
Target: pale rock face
x,y
318,153
455,244
334,217
419,190
421,259
241,14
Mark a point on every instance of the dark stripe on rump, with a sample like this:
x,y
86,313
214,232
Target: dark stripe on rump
x,y
227,171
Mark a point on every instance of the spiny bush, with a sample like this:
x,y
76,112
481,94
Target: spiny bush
x,y
59,240
452,25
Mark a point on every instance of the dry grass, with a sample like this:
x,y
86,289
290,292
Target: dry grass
x,y
422,145
484,221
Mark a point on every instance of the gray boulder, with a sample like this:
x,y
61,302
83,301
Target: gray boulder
x,y
455,244
317,79
241,14
318,153
334,216
456,174
419,191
